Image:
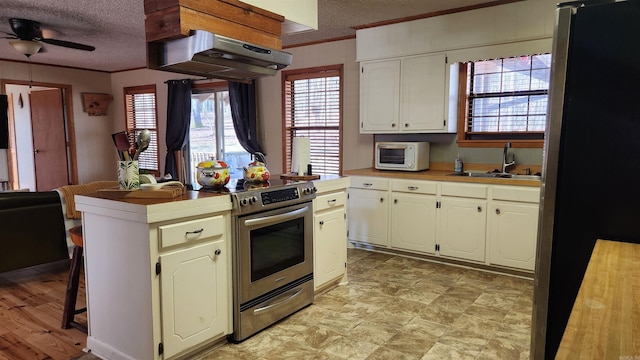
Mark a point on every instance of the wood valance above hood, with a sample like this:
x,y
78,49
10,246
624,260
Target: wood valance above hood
x,y
171,19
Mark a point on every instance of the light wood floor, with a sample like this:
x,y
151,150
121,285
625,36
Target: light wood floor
x,y
31,302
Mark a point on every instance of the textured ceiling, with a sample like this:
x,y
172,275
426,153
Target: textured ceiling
x,y
116,27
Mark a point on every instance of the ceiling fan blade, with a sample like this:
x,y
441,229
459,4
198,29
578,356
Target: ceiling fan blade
x,y
68,44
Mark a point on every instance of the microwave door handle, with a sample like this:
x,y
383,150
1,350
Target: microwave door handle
x,y
392,146
268,220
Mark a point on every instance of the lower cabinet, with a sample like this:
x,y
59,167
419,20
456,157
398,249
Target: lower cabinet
x,y
413,216
513,227
193,301
330,233
158,277
368,216
463,220
480,223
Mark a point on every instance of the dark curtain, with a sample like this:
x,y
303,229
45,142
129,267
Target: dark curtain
x,y
178,118
4,122
242,99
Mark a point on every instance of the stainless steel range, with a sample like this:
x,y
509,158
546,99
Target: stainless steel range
x,y
272,253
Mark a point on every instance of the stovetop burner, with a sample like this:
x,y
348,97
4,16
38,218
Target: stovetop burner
x,y
248,197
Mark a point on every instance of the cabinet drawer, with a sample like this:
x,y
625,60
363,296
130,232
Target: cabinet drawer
x,y
189,231
464,190
327,201
415,186
516,193
369,183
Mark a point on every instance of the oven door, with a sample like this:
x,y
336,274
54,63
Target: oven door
x,y
274,248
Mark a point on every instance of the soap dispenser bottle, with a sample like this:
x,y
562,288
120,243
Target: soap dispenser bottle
x,y
458,164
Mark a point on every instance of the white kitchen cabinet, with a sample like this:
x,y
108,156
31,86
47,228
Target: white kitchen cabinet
x,y
405,95
512,227
330,232
413,215
368,210
157,275
462,221
379,96
194,309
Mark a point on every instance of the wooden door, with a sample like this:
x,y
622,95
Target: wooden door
x,y
49,139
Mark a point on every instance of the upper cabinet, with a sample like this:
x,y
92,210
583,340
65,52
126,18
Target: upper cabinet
x,y
405,95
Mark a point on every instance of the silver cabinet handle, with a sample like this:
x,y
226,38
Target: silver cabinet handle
x,y
367,184
321,222
498,211
194,232
412,188
331,202
479,208
218,252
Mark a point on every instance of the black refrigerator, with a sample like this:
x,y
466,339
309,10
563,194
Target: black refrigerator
x,y
591,167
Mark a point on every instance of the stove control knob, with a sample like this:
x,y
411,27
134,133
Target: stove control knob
x,y
306,191
313,189
243,202
253,200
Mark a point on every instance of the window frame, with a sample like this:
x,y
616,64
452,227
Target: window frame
x,y
132,131
310,73
463,111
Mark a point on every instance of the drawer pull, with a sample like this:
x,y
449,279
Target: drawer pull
x,y
195,231
218,252
498,211
367,184
321,222
412,188
332,202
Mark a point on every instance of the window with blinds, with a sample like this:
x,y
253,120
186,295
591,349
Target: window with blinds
x,y
313,109
141,113
507,98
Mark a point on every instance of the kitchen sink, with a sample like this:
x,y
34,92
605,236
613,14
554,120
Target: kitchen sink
x,y
495,175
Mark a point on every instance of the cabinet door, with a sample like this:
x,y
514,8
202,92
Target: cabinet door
x,y
194,296
512,232
422,98
413,222
330,246
368,215
462,228
379,96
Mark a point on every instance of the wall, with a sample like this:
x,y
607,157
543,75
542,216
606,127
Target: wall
x,y
357,149
94,146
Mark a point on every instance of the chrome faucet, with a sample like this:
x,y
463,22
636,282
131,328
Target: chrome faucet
x,y
505,154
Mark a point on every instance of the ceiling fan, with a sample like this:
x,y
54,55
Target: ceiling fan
x,y
28,36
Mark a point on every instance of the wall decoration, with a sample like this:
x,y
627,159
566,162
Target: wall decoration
x,y
96,104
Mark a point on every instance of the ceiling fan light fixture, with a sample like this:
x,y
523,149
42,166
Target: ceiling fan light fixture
x,y
26,47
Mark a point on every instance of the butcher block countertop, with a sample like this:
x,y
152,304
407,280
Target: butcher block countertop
x,y
605,320
439,175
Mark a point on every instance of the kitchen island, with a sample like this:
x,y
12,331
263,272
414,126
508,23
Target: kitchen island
x,y
157,274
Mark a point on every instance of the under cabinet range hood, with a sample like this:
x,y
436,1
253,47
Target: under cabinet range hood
x,y
218,57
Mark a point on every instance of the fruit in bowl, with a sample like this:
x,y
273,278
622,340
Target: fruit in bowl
x,y
213,173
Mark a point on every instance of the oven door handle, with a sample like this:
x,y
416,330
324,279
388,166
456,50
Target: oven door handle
x,y
275,218
277,301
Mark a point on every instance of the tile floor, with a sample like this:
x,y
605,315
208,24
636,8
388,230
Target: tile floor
x,y
401,308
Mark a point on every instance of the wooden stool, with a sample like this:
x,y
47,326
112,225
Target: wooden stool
x,y
70,298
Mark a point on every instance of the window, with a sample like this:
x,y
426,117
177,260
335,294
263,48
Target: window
x,y
140,114
505,100
211,132
313,109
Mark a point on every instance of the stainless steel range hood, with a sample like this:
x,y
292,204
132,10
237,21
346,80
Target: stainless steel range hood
x,y
218,57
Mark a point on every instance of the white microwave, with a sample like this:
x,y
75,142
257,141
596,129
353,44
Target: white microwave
x,y
402,155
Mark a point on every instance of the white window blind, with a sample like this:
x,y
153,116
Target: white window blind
x,y
140,108
313,109
508,96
